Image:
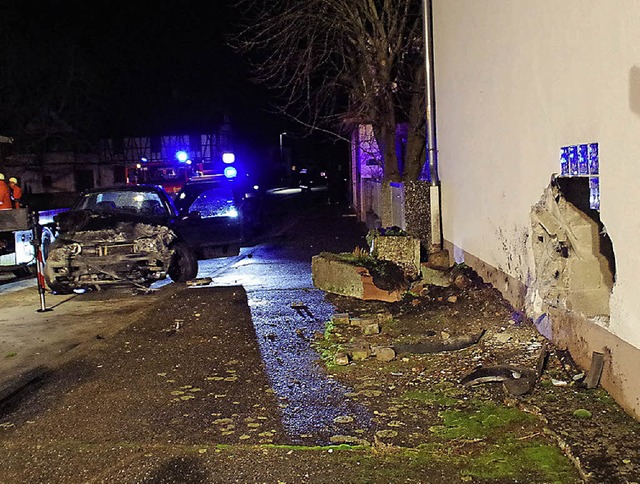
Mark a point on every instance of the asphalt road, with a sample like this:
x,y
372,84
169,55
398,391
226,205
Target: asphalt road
x,y
180,366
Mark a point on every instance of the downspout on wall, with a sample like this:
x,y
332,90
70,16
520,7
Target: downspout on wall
x,y
435,244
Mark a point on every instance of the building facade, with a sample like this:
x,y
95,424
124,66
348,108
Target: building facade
x,y
538,133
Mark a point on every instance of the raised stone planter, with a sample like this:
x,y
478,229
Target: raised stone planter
x,y
339,277
404,250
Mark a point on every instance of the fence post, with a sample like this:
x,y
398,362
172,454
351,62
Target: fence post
x,y
37,246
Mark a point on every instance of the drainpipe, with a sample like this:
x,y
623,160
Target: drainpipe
x,y
432,145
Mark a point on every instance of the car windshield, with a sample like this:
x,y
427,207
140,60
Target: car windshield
x,y
129,201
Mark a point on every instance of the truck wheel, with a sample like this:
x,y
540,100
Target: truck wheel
x,y
184,265
23,271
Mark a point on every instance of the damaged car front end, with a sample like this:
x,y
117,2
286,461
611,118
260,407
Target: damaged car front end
x,y
115,237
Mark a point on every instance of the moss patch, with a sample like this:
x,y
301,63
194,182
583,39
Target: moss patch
x,y
481,421
431,397
524,462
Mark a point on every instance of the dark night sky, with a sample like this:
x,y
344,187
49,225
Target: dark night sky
x,y
151,67
157,66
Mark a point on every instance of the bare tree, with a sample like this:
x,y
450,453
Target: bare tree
x,y
339,63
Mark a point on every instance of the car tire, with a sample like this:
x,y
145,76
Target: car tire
x,y
184,265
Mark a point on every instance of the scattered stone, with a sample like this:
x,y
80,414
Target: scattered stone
x,y
371,328
452,299
558,383
360,352
382,317
355,321
445,335
341,359
438,260
384,353
462,282
340,318
432,277
502,337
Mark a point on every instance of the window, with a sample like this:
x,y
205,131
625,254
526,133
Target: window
x,y
583,161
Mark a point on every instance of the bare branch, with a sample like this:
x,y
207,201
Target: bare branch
x,y
338,63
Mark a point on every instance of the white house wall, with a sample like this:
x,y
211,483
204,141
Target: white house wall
x,y
516,80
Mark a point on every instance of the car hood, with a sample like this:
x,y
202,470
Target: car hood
x,y
87,220
87,226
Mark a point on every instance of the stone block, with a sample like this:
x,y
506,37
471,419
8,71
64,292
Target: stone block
x,y
338,277
384,353
403,250
340,319
381,318
371,328
341,359
435,277
439,260
359,351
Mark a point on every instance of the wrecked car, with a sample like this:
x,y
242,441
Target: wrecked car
x,y
133,235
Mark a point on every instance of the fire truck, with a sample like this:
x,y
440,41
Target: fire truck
x,y
169,176
172,175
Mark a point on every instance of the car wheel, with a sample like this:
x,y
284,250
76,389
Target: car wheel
x,y
184,265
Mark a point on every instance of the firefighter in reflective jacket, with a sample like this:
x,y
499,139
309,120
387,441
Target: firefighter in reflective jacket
x,y
5,196
15,192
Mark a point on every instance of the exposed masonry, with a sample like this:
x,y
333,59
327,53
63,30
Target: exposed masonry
x,y
573,256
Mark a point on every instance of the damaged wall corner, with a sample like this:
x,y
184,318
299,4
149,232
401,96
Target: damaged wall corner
x,y
573,262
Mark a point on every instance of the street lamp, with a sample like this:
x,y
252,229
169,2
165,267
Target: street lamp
x,y
284,133
282,163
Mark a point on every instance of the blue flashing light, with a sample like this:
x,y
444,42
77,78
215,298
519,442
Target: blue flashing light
x,y
230,172
143,159
228,158
182,156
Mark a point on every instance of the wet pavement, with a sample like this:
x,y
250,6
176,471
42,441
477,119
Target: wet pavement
x,y
288,312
